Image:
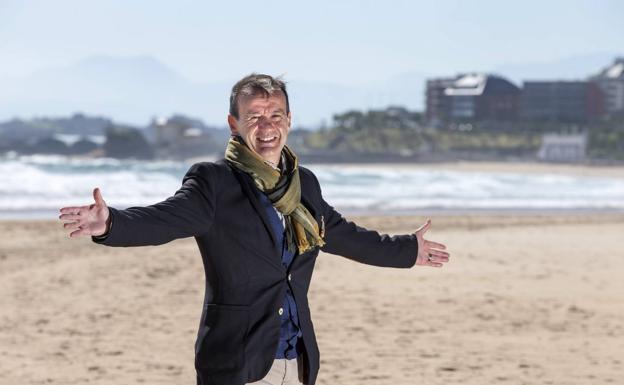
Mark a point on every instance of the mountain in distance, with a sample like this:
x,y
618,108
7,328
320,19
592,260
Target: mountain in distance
x,y
127,89
135,89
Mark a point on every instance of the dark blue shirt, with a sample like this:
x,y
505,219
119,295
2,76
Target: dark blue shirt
x,y
289,345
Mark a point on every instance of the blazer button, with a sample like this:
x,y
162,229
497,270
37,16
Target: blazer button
x,y
289,277
280,311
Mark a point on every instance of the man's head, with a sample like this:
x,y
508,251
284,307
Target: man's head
x,y
260,114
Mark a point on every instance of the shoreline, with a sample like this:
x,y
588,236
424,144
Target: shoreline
x,y
518,167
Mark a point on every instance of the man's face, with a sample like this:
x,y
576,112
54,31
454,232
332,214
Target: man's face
x,y
263,123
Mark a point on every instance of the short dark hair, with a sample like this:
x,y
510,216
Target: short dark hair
x,y
253,84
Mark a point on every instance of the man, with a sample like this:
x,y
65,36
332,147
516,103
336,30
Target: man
x,y
259,221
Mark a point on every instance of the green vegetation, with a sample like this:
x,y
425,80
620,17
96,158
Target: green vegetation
x,y
475,141
393,130
606,140
387,140
390,134
398,131
127,142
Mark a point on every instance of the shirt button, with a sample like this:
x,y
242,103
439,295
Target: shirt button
x,y
289,277
280,311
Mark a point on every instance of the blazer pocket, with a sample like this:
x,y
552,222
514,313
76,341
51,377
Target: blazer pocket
x,y
223,344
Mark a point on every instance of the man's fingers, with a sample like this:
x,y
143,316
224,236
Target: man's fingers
x,y
438,260
69,217
71,225
77,233
434,245
71,209
434,264
439,253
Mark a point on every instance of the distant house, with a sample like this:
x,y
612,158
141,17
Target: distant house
x,y
180,137
471,97
168,132
562,148
561,101
611,82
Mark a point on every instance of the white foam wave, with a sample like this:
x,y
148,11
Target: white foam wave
x,y
46,183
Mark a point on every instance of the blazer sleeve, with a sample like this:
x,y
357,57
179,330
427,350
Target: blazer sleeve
x,y
189,212
349,240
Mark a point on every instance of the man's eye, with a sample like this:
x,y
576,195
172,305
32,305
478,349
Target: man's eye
x,y
277,117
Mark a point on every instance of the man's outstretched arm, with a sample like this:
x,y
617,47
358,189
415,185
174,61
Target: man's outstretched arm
x,y
349,240
188,212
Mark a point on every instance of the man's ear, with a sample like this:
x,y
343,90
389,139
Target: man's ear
x,y
289,118
232,122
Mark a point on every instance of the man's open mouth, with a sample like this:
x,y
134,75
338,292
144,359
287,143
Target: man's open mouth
x,y
268,139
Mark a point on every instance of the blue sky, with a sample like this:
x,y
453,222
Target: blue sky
x,y
349,42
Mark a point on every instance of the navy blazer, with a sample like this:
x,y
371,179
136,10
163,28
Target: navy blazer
x,y
245,279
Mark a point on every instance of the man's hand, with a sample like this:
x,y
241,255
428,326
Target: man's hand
x,y
87,220
429,253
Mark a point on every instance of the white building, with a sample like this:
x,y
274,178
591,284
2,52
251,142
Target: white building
x,y
562,148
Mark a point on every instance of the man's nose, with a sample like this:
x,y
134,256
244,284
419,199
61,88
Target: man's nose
x,y
265,122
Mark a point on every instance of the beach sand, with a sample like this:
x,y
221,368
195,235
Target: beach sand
x,y
525,300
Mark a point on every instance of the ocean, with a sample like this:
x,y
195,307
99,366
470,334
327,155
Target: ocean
x,y
37,186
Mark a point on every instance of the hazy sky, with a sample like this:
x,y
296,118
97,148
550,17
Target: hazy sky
x,y
350,42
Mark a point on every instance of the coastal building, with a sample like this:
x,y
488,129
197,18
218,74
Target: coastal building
x,y
562,148
437,104
471,97
180,137
611,82
561,101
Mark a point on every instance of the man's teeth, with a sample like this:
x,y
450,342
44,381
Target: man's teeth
x,y
270,138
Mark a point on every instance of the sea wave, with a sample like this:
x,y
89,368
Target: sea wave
x,y
45,183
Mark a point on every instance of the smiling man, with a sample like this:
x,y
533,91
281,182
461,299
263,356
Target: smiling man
x,y
261,122
259,221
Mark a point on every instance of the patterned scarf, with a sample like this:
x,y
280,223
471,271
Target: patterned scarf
x,y
282,189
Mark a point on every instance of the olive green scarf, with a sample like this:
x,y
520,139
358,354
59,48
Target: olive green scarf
x,y
282,189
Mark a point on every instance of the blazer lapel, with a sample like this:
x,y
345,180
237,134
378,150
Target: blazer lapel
x,y
247,185
307,202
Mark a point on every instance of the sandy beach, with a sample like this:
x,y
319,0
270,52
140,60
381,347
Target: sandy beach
x,y
525,300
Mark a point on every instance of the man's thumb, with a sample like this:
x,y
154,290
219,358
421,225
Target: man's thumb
x,y
425,226
97,196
